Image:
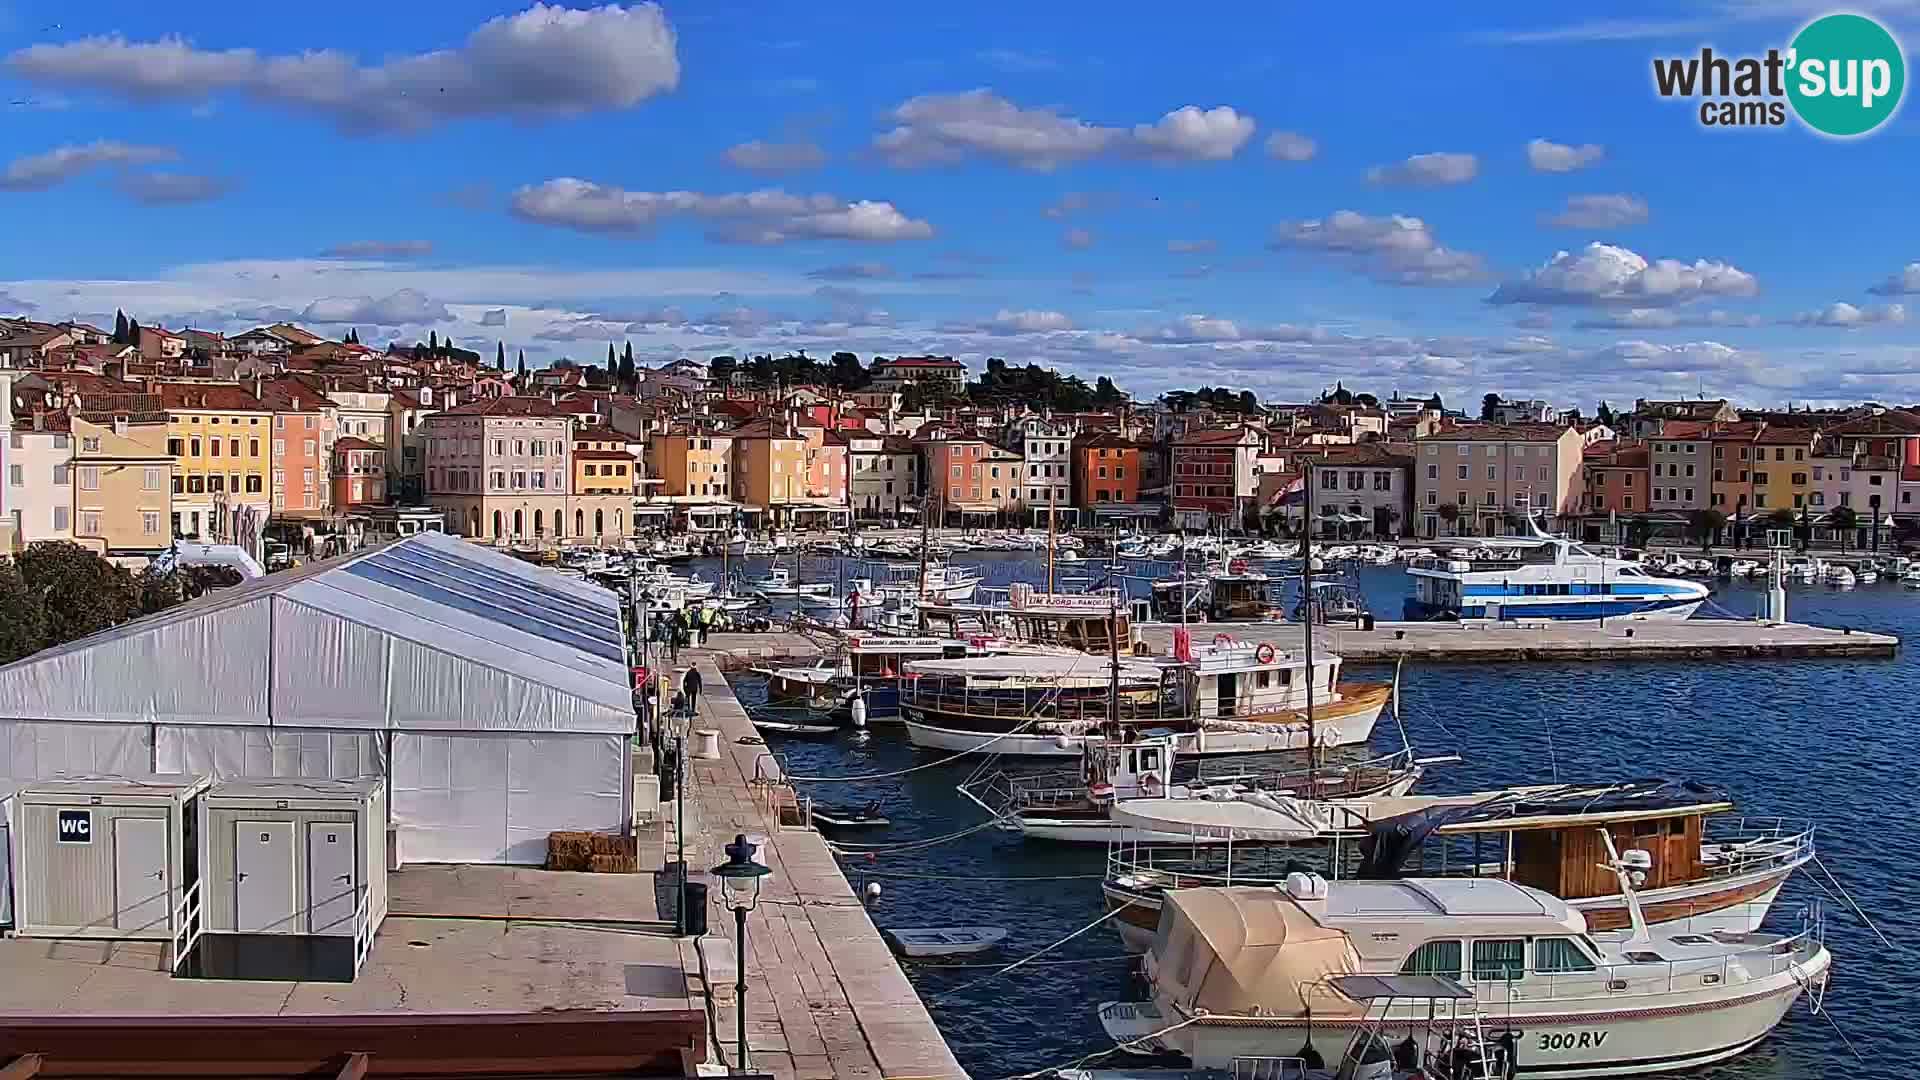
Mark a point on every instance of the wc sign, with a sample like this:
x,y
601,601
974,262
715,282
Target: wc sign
x,y
76,827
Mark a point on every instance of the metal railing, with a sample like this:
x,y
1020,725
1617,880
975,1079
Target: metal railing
x,y
1745,845
187,927
363,930
1770,955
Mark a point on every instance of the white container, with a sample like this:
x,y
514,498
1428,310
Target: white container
x,y
104,857
303,858
6,858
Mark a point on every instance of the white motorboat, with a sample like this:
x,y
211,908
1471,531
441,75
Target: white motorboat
x,y
1547,577
1248,972
944,940
1265,549
1740,568
1867,575
779,582
1911,579
1840,576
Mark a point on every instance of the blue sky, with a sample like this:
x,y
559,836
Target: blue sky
x,y
1246,199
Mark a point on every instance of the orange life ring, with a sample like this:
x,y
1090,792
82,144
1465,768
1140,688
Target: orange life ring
x,y
1264,653
1223,639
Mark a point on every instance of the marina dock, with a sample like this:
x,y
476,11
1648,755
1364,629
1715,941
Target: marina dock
x,y
1447,642
826,999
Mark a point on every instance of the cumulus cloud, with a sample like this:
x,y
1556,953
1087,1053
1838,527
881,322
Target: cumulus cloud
x,y
10,302
943,129
1664,319
37,172
1553,157
1076,239
1599,212
1289,146
1193,247
1691,358
1426,170
770,216
1847,316
407,307
1194,134
494,317
1904,283
1199,329
866,271
1028,322
771,157
1602,275
1395,249
545,61
1073,202
171,188
379,249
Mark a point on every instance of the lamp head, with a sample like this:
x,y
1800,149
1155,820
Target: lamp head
x,y
740,875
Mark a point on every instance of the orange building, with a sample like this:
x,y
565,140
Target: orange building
x,y
1617,481
301,466
359,474
1106,470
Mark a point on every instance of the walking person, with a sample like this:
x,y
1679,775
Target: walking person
x,y
690,686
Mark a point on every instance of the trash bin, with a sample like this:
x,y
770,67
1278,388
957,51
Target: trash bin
x,y
693,895
1366,620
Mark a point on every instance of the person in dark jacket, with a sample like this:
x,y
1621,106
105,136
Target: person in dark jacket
x,y
690,685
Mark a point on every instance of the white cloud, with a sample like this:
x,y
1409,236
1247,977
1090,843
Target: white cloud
x,y
494,317
1689,359
770,157
1664,319
545,61
379,249
943,129
1599,212
37,172
770,216
1553,157
1426,170
1029,322
171,188
1288,146
1076,239
1604,275
407,307
1198,329
1904,283
1194,134
1842,314
866,271
1397,249
1193,247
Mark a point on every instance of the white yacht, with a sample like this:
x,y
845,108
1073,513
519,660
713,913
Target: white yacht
x,y
1544,577
780,582
1840,575
1253,972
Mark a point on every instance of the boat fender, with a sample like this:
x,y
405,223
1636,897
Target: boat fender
x,y
1264,653
860,711
873,891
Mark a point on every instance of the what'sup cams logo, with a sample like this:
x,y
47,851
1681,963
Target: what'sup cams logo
x,y
1843,76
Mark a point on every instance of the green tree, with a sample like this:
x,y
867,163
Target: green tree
x,y
1604,414
1639,531
22,623
523,366
79,592
847,372
1366,401
1843,520
1436,404
628,375
1489,407
1106,395
156,589
1703,525
1248,402
119,327
1449,513
433,342
721,368
499,354
133,333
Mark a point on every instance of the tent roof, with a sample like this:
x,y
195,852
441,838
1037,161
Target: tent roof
x,y
429,631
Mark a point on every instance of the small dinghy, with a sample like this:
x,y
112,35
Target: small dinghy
x,y
789,727
944,940
829,816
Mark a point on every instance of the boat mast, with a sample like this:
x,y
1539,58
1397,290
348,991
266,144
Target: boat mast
x,y
926,515
1049,541
1113,664
1306,604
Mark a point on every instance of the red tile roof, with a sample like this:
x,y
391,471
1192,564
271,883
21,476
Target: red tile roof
x,y
1891,422
602,455
507,406
213,396
349,442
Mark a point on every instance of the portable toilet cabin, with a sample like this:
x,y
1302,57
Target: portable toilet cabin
x,y
295,874
107,857
6,857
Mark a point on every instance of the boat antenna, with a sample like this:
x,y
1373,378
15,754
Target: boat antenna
x,y
1306,604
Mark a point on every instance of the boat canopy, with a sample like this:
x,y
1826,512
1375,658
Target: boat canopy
x,y
1231,951
1271,818
1391,839
1083,669
1389,987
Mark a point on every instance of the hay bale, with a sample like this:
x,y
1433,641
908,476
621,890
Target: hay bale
x,y
614,864
568,850
614,844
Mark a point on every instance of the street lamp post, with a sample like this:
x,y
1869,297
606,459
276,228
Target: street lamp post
x,y
740,886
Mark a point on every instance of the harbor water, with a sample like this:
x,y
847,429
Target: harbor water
x,y
1826,741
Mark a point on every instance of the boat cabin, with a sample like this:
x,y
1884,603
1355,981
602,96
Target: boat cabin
x,y
1248,679
1238,596
1095,622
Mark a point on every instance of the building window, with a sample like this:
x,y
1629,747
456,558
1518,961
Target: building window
x,y
1461,472
62,518
1626,502
60,475
90,523
89,478
213,447
150,522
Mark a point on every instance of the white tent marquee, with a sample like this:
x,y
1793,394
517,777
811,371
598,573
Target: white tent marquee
x,y
493,695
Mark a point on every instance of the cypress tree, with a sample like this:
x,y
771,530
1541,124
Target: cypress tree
x,y
500,356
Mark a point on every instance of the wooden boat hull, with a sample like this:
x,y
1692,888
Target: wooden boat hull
x,y
1346,722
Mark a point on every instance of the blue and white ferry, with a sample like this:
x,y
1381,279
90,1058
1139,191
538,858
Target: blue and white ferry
x,y
1542,577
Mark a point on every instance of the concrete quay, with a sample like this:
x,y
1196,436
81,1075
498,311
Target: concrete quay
x,y
826,1000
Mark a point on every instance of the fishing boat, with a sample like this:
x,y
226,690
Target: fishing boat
x,y
1078,807
1248,972
1094,621
930,942
1227,697
829,816
781,581
1544,577
1710,869
869,666
795,727
1232,593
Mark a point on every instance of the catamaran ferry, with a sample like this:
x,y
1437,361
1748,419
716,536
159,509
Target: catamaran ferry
x,y
1542,577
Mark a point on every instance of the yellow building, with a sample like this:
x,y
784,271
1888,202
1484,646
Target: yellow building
x,y
122,488
769,465
693,463
1782,473
221,439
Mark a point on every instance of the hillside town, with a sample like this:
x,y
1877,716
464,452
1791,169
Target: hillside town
x,y
294,445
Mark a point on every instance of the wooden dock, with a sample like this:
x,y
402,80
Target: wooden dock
x,y
1439,642
825,999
